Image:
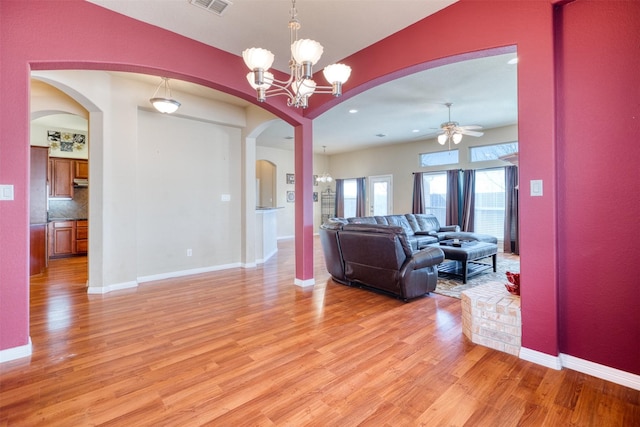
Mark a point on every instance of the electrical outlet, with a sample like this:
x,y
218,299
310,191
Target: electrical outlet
x,y
189,252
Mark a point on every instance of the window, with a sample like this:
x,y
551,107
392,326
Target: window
x,y
492,152
490,202
435,194
350,192
439,158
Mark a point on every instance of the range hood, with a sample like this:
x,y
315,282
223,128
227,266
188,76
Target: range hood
x,y
80,182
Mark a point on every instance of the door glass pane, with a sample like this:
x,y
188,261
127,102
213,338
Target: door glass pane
x,y
380,198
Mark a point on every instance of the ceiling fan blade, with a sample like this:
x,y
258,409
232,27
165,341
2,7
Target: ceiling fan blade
x,y
471,132
471,127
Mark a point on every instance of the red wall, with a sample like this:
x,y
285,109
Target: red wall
x,y
100,39
599,182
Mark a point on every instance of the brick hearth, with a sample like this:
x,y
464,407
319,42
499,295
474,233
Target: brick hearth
x,y
491,317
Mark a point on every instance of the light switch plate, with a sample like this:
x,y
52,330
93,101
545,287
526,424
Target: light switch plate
x,y
6,192
225,197
536,187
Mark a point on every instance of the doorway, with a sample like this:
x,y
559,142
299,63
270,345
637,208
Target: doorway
x,y
380,195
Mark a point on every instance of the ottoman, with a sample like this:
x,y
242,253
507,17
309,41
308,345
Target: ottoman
x,y
466,256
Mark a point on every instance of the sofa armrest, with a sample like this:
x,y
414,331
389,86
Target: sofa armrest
x,y
423,233
427,257
455,228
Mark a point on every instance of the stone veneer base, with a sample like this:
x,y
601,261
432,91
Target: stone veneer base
x,y
491,317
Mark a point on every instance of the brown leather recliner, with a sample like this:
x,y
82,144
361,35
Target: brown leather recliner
x,y
379,257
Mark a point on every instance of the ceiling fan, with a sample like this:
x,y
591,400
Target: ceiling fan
x,y
452,131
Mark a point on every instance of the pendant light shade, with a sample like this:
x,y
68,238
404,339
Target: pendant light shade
x,y
305,50
337,73
164,104
257,58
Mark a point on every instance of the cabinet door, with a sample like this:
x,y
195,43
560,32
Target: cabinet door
x,y
62,178
81,169
62,238
82,236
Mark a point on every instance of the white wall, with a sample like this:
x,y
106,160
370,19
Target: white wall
x,y
403,159
184,168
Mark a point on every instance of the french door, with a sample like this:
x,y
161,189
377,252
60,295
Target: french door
x,y
380,195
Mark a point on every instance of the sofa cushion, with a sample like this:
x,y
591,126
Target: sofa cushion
x,y
401,221
362,220
427,222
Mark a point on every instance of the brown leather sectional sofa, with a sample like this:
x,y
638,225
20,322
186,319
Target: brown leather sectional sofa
x,y
422,229
391,253
379,257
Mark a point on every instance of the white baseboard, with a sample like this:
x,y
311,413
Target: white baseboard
x,y
267,257
540,358
597,370
110,288
617,376
249,265
304,283
181,273
14,353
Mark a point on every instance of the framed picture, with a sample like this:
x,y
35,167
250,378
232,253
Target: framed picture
x,y
291,196
315,180
291,178
315,196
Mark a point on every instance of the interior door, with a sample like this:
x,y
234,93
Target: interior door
x,y
380,195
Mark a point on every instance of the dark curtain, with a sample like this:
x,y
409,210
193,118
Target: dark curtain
x,y
340,198
511,217
468,204
361,207
418,194
453,197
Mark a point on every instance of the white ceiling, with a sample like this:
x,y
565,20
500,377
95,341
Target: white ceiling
x,y
483,91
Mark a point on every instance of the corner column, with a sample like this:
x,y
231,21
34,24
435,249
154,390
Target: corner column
x,y
304,204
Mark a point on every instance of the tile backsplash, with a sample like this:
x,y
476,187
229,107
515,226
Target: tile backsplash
x,y
77,208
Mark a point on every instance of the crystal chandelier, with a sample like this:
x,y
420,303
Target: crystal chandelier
x,y
300,86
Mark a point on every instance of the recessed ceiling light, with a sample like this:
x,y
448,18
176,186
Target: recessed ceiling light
x,y
381,135
513,61
353,111
415,130
288,137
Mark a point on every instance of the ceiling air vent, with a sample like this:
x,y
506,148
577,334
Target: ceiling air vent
x,y
216,6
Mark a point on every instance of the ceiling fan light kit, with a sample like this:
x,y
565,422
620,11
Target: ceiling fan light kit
x,y
299,87
452,131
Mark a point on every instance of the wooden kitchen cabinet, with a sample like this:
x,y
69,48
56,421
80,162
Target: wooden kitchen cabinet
x,y
82,236
81,169
68,238
61,177
62,238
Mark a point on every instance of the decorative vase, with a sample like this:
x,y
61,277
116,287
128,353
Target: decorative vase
x,y
514,283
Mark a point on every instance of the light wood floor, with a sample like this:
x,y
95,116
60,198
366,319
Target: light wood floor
x,y
245,347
